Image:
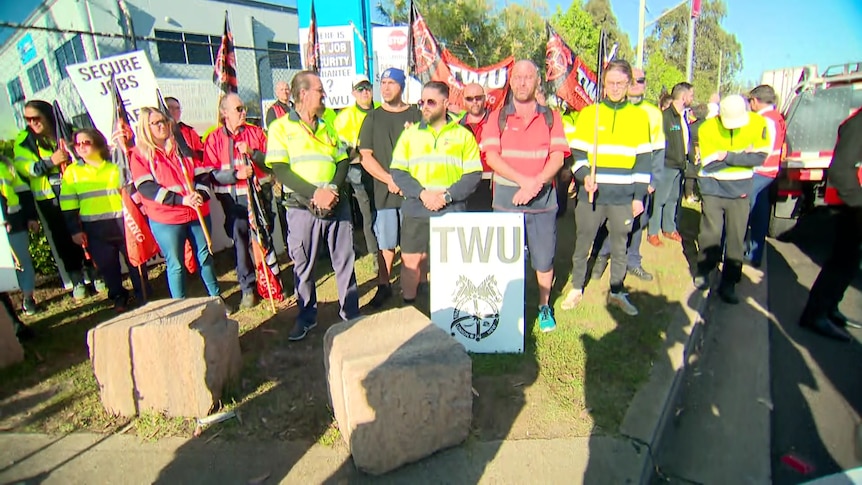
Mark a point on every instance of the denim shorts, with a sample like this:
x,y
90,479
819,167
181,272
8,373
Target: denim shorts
x,y
387,223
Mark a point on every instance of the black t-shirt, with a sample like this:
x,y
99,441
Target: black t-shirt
x,y
379,132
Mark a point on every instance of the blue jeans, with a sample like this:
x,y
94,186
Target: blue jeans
x,y
172,239
666,201
758,219
20,243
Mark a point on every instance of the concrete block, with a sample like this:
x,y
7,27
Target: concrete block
x,y
401,388
170,356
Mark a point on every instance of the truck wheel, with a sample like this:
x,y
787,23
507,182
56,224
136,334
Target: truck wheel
x,y
779,227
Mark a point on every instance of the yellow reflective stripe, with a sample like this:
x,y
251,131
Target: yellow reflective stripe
x,y
644,148
66,197
96,193
729,174
581,145
161,195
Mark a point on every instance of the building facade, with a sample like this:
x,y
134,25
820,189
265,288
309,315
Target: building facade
x,y
181,39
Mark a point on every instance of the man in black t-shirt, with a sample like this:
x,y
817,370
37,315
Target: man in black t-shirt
x,y
377,138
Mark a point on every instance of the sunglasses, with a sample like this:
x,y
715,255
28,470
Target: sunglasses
x,y
362,89
32,119
84,143
240,109
640,80
471,99
431,103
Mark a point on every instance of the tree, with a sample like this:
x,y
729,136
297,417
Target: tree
x,y
522,31
660,74
576,27
603,17
711,41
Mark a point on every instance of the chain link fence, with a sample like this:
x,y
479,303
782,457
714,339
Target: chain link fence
x,y
182,64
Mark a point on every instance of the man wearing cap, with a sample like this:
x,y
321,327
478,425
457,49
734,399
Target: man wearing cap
x,y
282,105
380,130
474,120
347,124
731,145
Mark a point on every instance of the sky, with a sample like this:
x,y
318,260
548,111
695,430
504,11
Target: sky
x,y
773,33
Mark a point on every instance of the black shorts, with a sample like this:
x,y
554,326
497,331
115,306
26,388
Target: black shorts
x,y
415,233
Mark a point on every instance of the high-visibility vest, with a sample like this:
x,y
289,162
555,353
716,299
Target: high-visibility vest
x,y
715,138
777,129
570,120
94,190
624,133
24,160
348,123
312,155
10,186
436,160
656,126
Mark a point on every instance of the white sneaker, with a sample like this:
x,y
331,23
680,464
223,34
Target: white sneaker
x,y
621,300
573,298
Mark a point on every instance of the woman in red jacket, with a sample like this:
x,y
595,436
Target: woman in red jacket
x,y
171,201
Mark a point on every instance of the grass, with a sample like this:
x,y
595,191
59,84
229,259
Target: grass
x,y
574,381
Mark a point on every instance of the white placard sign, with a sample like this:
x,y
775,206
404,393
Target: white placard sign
x,y
134,77
390,50
477,279
337,62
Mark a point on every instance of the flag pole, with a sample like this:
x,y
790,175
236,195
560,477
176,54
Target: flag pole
x,y
252,192
190,187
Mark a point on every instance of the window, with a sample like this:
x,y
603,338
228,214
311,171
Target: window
x,y
183,48
284,56
16,90
72,52
38,76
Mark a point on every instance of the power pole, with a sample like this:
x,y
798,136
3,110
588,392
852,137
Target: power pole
x,y
689,66
639,62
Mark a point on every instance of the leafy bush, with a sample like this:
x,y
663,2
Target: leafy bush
x,y
40,251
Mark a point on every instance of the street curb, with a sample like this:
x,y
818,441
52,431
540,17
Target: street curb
x,y
653,407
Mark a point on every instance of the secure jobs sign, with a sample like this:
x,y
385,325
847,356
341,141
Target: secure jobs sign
x,y
337,62
477,284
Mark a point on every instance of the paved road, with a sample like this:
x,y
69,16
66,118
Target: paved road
x,y
816,387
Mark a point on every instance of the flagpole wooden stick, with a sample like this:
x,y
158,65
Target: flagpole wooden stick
x,y
190,187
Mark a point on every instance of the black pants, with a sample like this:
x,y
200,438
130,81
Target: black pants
x,y
70,253
563,180
588,219
360,182
731,217
481,198
841,267
107,244
236,227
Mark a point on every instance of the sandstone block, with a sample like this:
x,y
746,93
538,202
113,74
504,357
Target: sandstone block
x,y
400,387
11,351
171,356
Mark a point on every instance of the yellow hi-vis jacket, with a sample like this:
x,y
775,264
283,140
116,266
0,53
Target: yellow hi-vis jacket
x,y
746,148
313,156
31,162
92,190
348,122
624,161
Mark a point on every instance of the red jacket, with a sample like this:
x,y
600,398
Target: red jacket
x,y
193,140
221,157
162,184
476,129
777,133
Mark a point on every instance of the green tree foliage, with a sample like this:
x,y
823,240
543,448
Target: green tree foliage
x,y
523,28
670,39
576,27
603,17
660,74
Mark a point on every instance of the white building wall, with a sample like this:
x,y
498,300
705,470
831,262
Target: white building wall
x,y
253,25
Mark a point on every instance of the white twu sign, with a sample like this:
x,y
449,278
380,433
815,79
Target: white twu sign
x,y
477,279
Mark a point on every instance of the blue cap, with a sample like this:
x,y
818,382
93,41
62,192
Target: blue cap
x,y
396,75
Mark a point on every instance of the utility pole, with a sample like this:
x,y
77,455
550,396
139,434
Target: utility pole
x,y
689,66
718,84
639,62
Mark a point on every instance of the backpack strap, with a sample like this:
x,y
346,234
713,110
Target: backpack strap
x,y
509,108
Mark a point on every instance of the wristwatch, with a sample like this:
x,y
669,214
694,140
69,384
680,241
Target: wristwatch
x,y
447,197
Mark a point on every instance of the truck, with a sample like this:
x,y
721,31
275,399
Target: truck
x,y
813,109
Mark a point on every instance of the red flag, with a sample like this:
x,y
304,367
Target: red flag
x,y
312,45
265,260
568,76
695,9
140,243
190,261
424,58
494,78
224,70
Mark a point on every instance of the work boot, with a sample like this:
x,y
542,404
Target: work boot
x,y
384,292
823,326
121,304
621,301
654,240
838,318
727,293
249,300
29,306
599,267
640,273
